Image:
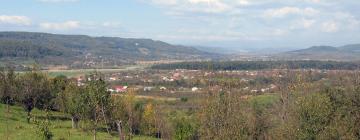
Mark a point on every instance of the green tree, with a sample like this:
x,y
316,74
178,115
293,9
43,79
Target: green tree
x,y
309,116
73,102
119,115
43,127
98,101
185,129
58,86
8,86
35,92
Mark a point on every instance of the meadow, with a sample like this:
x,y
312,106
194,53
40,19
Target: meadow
x,y
13,126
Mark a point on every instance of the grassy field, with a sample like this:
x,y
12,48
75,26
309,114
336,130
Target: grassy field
x,y
79,72
13,126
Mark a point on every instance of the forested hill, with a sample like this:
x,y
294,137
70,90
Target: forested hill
x,y
81,50
342,53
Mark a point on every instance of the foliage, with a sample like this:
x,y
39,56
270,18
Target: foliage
x,y
185,129
43,128
259,65
35,91
149,123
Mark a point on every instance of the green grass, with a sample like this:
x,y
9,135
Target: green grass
x,y
265,100
13,126
79,72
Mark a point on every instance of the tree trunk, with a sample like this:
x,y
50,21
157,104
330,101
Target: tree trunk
x,y
103,114
7,106
28,116
119,127
75,122
7,119
95,133
95,125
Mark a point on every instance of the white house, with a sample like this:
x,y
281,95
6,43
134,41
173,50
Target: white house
x,y
194,89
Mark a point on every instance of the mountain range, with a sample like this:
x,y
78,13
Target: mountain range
x,y
81,51
87,51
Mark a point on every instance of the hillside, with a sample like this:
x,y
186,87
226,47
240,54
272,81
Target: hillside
x,y
86,51
343,53
14,126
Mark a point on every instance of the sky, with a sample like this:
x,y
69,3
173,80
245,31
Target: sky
x,y
215,23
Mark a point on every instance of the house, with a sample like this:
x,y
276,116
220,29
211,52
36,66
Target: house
x,y
118,89
194,89
254,91
265,89
176,75
148,88
112,78
80,82
162,88
272,86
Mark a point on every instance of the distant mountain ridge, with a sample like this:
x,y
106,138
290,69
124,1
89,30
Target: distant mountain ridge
x,y
82,50
342,53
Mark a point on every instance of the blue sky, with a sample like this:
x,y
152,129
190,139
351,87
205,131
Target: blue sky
x,y
217,23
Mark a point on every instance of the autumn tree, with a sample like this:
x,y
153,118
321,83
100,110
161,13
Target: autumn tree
x,y
149,120
119,115
225,116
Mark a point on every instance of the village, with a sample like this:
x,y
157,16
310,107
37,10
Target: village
x,y
181,83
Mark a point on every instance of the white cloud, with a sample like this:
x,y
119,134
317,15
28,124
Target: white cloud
x,y
198,6
279,32
164,2
16,20
209,6
111,24
285,11
329,27
60,26
313,1
303,23
56,1
243,2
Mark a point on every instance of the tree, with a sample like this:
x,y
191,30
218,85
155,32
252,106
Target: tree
x,y
225,116
149,120
309,117
8,86
73,102
185,129
43,127
58,86
35,92
97,100
134,111
119,115
127,113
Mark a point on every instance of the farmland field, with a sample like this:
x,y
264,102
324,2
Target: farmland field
x,y
79,72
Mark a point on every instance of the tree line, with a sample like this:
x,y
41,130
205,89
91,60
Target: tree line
x,y
259,65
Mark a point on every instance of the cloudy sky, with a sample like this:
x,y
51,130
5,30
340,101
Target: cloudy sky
x,y
218,23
